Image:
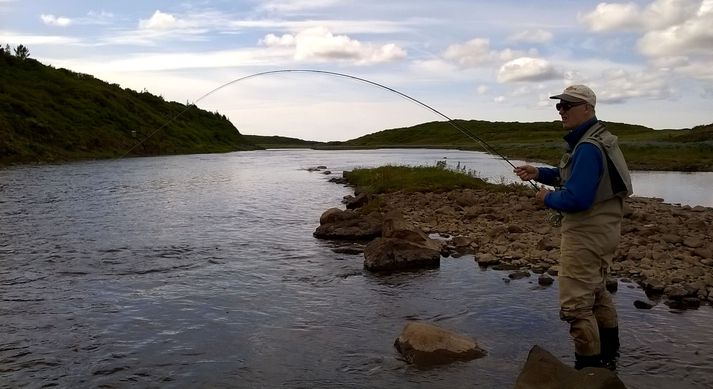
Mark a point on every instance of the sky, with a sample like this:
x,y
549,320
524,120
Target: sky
x,y
650,62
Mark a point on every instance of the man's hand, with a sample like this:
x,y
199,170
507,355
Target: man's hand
x,y
527,172
541,194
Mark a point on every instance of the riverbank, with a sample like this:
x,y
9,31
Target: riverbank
x,y
665,248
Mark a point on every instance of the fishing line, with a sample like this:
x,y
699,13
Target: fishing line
x,y
450,121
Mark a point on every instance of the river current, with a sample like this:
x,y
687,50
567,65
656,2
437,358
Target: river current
x,y
201,271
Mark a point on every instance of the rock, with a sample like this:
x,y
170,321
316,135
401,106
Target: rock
x,y
691,302
548,243
545,280
388,254
515,229
487,259
519,274
553,271
693,242
704,253
351,225
653,286
671,238
358,201
675,292
612,285
462,241
543,370
640,304
426,345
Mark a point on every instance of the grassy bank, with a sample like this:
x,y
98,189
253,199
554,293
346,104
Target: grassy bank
x,y
390,178
49,114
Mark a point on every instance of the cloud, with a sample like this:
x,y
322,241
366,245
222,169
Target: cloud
x,y
296,5
477,52
620,85
159,21
27,40
693,36
532,36
473,53
629,16
527,69
52,20
319,44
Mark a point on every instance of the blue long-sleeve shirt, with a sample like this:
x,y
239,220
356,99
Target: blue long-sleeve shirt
x,y
579,191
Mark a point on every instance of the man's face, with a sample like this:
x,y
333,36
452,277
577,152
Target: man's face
x,y
573,114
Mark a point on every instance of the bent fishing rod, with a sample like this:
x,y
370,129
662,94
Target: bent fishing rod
x,y
450,121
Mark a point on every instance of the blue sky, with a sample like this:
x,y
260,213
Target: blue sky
x,y
650,62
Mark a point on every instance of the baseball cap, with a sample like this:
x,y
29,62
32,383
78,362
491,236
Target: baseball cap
x,y
576,94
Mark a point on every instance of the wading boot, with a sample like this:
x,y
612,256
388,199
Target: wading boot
x,y
582,361
609,340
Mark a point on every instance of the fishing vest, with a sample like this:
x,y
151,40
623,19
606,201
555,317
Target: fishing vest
x,y
615,180
590,237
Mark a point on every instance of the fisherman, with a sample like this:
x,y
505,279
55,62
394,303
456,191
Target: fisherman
x,y
591,182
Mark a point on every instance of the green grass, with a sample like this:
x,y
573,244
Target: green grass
x,y
392,178
643,147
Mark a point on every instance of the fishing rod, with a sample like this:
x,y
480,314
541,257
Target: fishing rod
x,y
450,121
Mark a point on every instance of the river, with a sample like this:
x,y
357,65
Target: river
x,y
201,271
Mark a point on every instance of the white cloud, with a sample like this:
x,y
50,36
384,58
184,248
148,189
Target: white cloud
x,y
159,21
27,40
619,85
676,34
483,89
694,35
532,36
52,20
319,44
477,52
527,69
296,5
629,16
473,53
614,16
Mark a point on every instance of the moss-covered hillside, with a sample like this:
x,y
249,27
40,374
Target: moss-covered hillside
x,y
49,114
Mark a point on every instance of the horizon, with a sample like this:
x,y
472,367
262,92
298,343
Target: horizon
x,y
649,62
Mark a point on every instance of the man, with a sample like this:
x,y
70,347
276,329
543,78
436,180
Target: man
x,y
591,182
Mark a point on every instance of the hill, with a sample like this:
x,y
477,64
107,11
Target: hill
x,y
49,114
645,148
280,142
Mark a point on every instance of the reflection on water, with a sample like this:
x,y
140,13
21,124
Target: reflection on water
x,y
202,271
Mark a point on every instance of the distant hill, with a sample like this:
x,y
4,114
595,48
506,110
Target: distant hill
x,y
644,148
49,114
280,142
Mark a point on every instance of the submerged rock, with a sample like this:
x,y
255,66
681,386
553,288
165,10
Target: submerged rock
x,y
426,345
543,370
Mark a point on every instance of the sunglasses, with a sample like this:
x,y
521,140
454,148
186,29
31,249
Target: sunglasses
x,y
566,106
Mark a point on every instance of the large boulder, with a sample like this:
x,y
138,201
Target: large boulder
x,y
544,371
348,224
426,345
401,247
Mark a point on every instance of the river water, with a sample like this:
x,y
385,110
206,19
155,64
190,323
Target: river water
x,y
201,271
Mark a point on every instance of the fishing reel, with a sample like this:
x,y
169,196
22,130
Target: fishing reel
x,y
554,218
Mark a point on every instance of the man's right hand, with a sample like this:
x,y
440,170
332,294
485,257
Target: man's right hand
x,y
527,172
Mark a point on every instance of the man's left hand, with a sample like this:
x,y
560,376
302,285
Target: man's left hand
x,y
540,196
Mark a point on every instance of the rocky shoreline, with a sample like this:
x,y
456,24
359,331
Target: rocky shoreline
x,y
666,248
